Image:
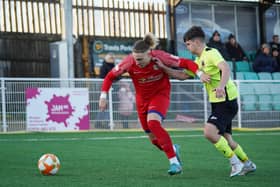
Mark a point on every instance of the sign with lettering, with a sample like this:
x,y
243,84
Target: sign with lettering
x,y
57,109
101,47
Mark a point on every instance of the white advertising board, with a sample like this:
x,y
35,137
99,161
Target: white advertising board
x,y
57,109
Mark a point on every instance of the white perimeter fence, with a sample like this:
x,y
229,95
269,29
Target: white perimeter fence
x,y
259,103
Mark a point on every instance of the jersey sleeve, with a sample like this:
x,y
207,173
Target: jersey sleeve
x,y
216,57
166,58
175,61
188,64
118,70
108,81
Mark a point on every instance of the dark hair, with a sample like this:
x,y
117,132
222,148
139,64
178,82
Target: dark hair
x,y
194,32
148,42
274,49
231,36
216,33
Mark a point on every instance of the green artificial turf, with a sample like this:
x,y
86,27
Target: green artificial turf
x,y
128,159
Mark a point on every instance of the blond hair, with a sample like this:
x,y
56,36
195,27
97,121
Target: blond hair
x,y
149,42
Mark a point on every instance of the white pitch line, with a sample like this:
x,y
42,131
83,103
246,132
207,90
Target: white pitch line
x,y
125,137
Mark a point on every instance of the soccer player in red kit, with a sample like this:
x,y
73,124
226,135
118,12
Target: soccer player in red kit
x,y
152,88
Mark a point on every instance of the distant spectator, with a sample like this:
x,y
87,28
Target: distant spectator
x,y
104,116
216,42
235,51
276,55
108,64
126,102
275,42
264,61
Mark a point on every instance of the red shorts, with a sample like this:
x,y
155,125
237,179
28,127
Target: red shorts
x,y
157,104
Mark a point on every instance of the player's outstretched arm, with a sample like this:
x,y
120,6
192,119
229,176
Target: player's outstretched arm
x,y
174,73
191,69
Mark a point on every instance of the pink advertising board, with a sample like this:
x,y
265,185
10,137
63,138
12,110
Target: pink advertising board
x,y
57,109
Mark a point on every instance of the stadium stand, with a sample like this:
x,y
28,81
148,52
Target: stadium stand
x,y
251,66
242,66
250,76
276,102
264,76
230,63
248,98
251,55
239,76
249,102
246,90
231,75
262,89
264,97
275,90
265,102
276,76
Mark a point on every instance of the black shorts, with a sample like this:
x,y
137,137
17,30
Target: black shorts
x,y
222,115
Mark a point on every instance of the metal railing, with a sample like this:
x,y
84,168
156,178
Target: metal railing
x,y
258,104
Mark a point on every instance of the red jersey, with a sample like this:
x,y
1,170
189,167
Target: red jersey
x,y
151,79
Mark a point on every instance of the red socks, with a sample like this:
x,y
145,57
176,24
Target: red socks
x,y
163,140
155,142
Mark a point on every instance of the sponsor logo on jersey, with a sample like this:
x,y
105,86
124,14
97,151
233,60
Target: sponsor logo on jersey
x,y
150,79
